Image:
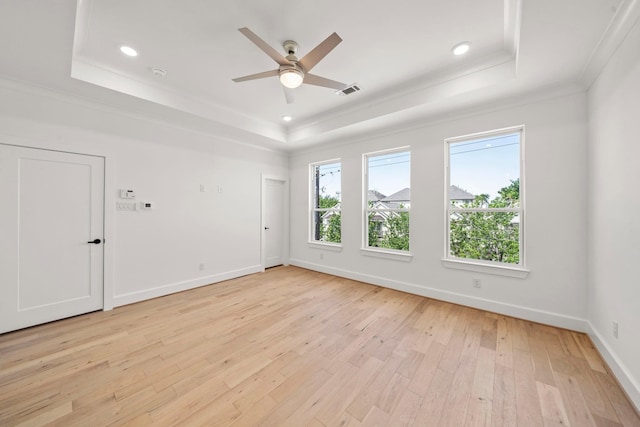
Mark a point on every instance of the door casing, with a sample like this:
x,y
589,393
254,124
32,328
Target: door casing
x,y
53,269
285,219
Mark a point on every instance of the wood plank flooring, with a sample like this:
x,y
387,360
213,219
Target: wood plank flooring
x,y
291,347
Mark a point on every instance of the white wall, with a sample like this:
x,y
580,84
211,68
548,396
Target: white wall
x,y
156,252
614,203
555,152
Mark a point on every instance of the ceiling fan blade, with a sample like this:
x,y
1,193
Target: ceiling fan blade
x,y
256,76
312,58
274,54
312,79
288,93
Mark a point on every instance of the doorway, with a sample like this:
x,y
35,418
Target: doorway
x,y
52,228
275,221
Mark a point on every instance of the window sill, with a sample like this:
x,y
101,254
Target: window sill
x,y
335,247
499,270
388,254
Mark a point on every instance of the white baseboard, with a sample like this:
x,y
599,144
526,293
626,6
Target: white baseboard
x,y
171,288
619,369
526,313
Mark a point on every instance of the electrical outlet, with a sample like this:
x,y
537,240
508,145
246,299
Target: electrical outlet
x,y
201,267
321,255
476,283
615,329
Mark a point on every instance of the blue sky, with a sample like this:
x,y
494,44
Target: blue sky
x,y
481,166
330,179
390,173
484,166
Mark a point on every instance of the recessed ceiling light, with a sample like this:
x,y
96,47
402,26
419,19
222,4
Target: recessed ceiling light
x,y
461,48
287,118
128,50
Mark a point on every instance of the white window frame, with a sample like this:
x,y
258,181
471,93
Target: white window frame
x,y
312,209
395,254
483,266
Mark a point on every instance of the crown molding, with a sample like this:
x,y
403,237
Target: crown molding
x,y
502,103
206,127
622,22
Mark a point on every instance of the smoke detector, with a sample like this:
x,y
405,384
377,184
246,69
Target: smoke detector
x,y
158,72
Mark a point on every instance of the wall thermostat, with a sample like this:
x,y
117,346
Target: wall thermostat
x,y
127,194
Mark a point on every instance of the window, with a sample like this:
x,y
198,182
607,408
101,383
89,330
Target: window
x,y
325,202
484,203
387,199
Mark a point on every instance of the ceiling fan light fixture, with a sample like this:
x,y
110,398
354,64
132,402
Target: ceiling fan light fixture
x,y
291,78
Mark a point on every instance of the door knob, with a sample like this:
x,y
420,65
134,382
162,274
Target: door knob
x,y
266,228
95,241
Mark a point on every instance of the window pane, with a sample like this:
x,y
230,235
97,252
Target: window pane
x,y
485,171
389,176
326,186
389,230
388,192
325,212
489,236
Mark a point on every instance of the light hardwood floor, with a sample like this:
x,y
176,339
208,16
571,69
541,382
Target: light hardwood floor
x,y
300,348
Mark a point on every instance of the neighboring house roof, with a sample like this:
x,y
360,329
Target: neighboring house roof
x,y
403,195
457,193
329,214
374,196
379,204
382,215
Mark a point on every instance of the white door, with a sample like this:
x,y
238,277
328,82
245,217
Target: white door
x,y
274,204
51,232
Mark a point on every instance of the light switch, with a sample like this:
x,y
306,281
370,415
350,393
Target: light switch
x,y
126,206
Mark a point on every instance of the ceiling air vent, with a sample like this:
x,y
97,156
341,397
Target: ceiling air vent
x,y
348,90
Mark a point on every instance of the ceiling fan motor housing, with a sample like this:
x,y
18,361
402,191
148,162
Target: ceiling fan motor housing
x,y
290,47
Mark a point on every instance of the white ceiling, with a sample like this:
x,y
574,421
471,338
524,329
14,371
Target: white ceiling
x,y
399,53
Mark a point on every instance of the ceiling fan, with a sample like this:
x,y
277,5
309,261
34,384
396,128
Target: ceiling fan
x,y
292,71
